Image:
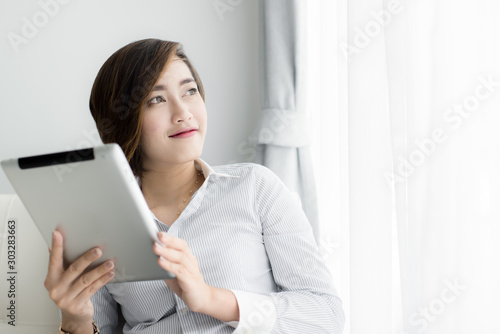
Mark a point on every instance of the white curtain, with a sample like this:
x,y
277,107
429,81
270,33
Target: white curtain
x,y
408,161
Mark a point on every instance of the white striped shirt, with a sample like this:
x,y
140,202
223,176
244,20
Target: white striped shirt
x,y
250,236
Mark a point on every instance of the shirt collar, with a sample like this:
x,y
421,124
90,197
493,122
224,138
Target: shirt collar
x,y
203,167
207,170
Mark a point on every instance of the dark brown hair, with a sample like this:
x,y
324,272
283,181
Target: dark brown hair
x,y
121,90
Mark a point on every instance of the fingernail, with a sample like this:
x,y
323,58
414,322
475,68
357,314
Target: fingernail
x,y
97,252
110,274
109,265
162,259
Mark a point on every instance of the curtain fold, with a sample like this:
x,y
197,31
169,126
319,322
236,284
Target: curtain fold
x,y
370,198
284,135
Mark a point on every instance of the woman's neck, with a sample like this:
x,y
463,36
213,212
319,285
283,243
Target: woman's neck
x,y
166,186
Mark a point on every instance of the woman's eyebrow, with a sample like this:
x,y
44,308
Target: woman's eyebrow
x,y
186,81
159,87
163,87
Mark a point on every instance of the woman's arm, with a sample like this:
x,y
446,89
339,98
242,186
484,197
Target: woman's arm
x,y
223,305
189,285
307,301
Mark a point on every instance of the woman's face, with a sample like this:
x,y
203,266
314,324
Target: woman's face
x,y
175,119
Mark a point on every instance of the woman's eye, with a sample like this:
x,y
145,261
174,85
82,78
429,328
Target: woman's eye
x,y
156,100
192,91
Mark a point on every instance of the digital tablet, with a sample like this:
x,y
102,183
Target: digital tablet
x,y
93,198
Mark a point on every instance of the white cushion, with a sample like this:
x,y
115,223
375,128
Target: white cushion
x,y
34,311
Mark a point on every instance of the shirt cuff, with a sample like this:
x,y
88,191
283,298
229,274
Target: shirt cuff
x,y
257,313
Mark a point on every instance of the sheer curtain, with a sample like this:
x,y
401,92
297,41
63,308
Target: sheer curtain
x,y
407,157
444,82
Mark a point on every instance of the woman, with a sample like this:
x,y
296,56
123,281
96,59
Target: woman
x,y
241,248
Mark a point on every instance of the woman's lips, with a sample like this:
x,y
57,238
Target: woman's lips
x,y
185,134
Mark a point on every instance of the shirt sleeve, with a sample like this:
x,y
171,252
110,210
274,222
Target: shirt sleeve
x,y
105,311
307,301
257,313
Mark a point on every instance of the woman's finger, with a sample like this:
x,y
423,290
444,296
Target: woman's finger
x,y
165,261
183,259
87,279
78,266
90,290
177,269
172,242
55,269
170,254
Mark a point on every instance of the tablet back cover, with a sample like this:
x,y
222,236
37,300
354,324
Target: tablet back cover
x,y
92,197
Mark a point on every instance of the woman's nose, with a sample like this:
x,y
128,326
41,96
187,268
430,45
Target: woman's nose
x,y
181,113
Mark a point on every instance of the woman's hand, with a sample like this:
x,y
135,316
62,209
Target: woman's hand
x,y
189,285
70,289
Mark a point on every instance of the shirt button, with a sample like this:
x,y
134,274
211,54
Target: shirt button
x,y
184,310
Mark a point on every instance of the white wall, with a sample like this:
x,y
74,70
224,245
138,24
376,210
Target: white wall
x,y
45,82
